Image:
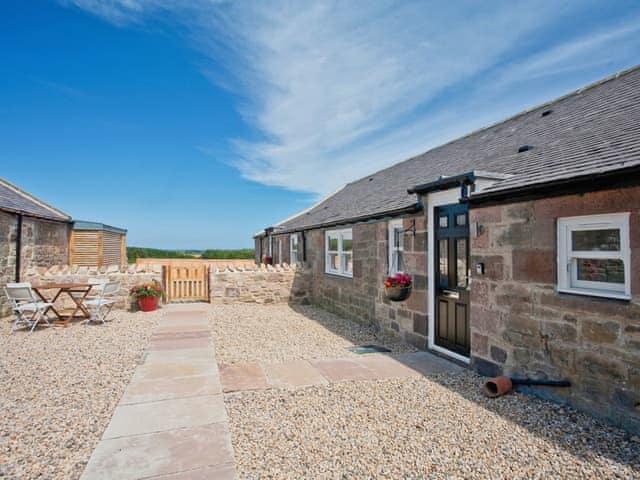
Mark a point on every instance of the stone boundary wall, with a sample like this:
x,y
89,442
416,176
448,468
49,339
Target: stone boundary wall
x,y
262,284
128,275
190,262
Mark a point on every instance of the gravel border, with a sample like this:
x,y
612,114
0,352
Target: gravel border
x,y
278,333
437,427
59,389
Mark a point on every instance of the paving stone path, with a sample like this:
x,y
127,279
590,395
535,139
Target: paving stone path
x,y
171,423
302,373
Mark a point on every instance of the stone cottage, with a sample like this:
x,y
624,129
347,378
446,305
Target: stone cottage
x,y
32,233
36,234
523,241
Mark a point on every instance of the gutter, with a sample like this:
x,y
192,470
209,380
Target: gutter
x,y
416,207
566,186
463,179
444,183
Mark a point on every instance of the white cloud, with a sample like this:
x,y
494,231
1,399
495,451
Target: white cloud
x,y
337,90
597,48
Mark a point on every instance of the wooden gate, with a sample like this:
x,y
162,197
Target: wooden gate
x,y
186,283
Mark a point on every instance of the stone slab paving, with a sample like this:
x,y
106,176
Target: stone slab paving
x,y
427,363
169,388
161,367
171,422
243,376
158,416
299,373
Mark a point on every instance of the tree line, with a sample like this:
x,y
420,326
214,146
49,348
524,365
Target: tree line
x,y
144,252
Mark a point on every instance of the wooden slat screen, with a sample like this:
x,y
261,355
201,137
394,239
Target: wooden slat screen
x,y
84,248
111,248
95,248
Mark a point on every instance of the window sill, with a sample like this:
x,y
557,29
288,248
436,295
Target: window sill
x,y
338,274
595,293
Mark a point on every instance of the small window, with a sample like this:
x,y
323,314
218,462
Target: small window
x,y
594,255
462,278
461,220
294,246
396,247
339,252
443,262
443,221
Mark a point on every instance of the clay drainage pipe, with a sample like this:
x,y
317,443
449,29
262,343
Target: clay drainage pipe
x,y
497,386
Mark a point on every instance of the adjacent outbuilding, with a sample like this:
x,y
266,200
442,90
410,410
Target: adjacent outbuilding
x,y
97,244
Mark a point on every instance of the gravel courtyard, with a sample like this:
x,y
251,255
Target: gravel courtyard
x,y
59,389
277,333
410,428
420,428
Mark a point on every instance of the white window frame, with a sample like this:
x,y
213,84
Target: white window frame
x,y
293,248
393,251
345,233
567,266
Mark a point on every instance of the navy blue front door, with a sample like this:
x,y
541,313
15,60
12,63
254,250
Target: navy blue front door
x,y
452,278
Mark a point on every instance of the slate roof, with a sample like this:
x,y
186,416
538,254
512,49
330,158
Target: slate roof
x,y
592,130
15,200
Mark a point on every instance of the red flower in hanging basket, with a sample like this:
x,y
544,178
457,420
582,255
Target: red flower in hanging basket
x,y
398,280
398,287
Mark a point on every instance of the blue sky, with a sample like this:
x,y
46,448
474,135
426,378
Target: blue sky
x,y
196,123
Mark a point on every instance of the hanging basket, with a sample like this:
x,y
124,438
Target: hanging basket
x,y
397,294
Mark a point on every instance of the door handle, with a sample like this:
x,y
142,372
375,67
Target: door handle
x,y
451,294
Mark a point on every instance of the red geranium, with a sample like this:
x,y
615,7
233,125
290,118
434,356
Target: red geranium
x,y
149,289
398,280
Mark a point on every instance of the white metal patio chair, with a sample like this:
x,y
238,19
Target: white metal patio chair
x,y
28,308
98,284
101,305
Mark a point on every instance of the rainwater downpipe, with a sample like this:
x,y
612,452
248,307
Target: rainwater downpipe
x,y
18,247
304,246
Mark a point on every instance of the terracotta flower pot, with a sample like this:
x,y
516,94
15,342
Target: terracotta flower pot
x,y
397,293
497,386
148,304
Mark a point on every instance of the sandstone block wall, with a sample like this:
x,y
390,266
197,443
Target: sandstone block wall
x,y
7,256
521,326
350,297
263,284
362,297
407,318
44,243
128,275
